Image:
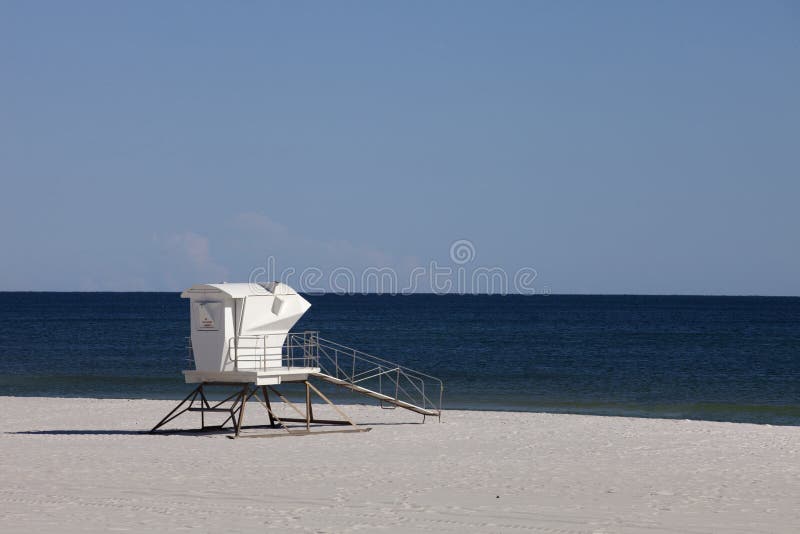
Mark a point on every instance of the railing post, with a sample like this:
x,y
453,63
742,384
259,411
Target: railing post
x,y
316,349
289,351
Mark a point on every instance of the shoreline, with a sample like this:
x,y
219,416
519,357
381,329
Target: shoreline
x,y
737,412
73,464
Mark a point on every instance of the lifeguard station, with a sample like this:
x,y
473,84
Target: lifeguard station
x,y
241,338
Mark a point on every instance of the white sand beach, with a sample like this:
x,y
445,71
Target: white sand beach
x,y
83,465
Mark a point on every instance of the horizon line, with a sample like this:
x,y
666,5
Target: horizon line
x,y
426,293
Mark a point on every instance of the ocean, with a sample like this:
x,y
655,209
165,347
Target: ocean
x,y
690,357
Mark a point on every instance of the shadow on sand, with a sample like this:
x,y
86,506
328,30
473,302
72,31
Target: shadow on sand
x,y
169,432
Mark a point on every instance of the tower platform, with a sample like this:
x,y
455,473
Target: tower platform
x,y
258,377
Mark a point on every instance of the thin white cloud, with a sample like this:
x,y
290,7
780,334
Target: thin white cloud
x,y
310,251
187,260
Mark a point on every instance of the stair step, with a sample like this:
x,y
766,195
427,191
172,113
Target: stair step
x,y
375,395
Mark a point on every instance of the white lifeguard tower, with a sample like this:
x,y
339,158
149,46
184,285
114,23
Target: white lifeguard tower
x,y
241,337
239,331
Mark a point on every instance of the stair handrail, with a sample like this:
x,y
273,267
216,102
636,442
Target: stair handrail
x,y
367,355
380,368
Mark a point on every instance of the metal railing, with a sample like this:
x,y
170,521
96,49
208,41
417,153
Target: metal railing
x,y
306,349
276,349
189,356
387,378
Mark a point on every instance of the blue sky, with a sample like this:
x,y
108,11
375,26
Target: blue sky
x,y
614,147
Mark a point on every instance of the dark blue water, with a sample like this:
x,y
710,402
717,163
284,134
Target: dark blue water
x,y
716,358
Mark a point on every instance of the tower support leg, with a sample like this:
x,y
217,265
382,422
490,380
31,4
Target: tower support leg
x,y
243,397
234,406
172,415
309,415
267,404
